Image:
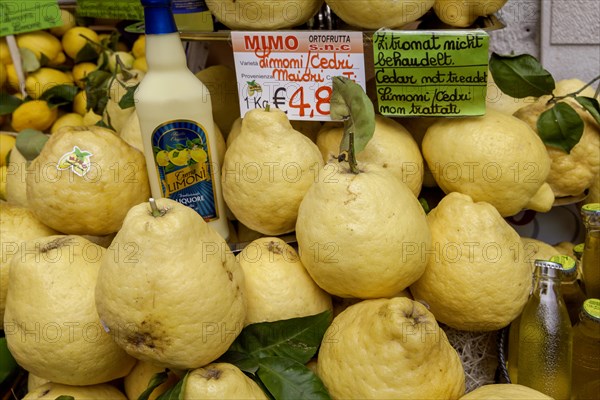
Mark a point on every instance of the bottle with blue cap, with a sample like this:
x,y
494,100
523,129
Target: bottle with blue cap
x,y
178,131
546,336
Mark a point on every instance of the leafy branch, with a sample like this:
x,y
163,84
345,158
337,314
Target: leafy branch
x,y
560,125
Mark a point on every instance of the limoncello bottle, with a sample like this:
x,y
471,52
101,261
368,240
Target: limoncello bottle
x,y
545,336
586,352
571,289
175,114
590,259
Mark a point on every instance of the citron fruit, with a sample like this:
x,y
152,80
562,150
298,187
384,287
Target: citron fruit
x,y
504,391
85,180
179,301
570,173
252,15
389,348
221,381
131,132
136,382
40,42
16,187
375,14
418,127
478,156
477,278
462,13
277,284
534,249
75,38
52,287
34,381
497,100
353,240
44,79
69,119
34,114
17,225
221,82
267,170
118,88
392,147
68,22
594,191
52,391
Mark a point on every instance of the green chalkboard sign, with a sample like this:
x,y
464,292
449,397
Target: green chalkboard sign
x,y
111,9
28,15
431,73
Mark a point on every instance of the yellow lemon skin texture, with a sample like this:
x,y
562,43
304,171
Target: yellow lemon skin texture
x,y
221,381
44,79
76,37
3,75
139,47
81,70
183,301
7,142
353,240
136,382
69,119
391,146
277,284
93,202
80,103
389,349
68,22
34,114
462,13
40,42
52,283
16,187
249,14
50,391
505,391
478,278
375,14
477,156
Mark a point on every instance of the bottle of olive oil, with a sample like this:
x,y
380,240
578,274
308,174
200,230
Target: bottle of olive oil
x,y
176,121
545,336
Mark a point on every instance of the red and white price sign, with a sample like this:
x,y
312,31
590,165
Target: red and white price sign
x,y
293,71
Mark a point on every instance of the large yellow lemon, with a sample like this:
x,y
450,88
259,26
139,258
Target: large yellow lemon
x,y
40,42
76,37
375,14
35,114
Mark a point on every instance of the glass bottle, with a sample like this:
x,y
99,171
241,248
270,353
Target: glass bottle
x,y
545,336
590,261
572,292
175,114
192,16
586,352
513,350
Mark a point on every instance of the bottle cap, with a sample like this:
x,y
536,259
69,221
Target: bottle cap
x,y
158,17
569,267
591,309
548,268
591,214
578,250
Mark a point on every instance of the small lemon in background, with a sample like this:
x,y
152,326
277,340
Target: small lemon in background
x,y
68,22
7,142
59,60
40,42
80,103
4,52
11,77
35,114
81,70
43,79
74,39
3,174
141,64
139,47
70,119
3,75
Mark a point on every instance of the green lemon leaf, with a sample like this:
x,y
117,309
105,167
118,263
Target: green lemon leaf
x,y
97,79
243,361
128,99
520,76
8,365
60,94
44,60
87,53
288,379
350,103
176,392
30,143
591,105
424,204
157,379
295,338
8,103
560,126
29,60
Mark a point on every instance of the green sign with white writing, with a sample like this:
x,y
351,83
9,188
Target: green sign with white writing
x,y
111,9
438,73
28,15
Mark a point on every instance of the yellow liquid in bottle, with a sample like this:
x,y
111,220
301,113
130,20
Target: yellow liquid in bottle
x,y
586,356
590,264
192,16
545,345
513,350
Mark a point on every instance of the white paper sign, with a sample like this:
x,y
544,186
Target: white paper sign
x,y
292,71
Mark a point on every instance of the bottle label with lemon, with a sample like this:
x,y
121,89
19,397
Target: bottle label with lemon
x,y
183,165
